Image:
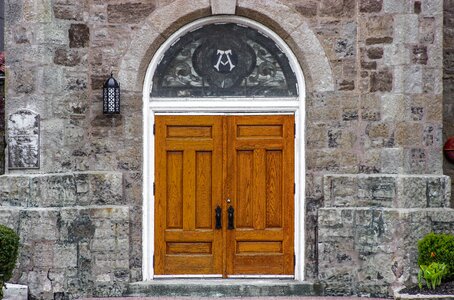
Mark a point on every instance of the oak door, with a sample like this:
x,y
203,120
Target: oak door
x,y
224,195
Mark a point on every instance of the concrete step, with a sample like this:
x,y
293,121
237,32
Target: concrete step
x,y
223,288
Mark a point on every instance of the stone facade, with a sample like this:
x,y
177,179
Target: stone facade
x,y
374,135
448,80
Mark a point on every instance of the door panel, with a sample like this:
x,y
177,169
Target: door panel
x,y
188,189
260,155
201,161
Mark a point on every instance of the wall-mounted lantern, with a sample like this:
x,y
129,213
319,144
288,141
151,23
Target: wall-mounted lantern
x,y
111,96
448,149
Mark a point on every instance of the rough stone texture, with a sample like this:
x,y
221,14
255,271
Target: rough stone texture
x,y
374,105
223,7
76,241
15,292
368,228
448,81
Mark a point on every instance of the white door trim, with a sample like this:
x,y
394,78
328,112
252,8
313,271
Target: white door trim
x,y
227,105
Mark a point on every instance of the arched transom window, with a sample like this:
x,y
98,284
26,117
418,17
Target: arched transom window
x,y
224,60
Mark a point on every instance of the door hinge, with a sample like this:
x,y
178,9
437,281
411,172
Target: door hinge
x,y
154,129
294,260
154,188
294,188
153,261
294,130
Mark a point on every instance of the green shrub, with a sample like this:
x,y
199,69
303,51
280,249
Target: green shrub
x,y
437,248
9,248
433,274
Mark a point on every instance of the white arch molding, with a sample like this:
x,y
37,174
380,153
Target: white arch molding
x,y
225,105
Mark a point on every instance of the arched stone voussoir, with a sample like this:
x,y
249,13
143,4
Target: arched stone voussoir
x,y
153,31
291,26
312,58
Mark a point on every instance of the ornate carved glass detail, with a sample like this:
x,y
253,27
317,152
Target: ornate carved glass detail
x,y
224,60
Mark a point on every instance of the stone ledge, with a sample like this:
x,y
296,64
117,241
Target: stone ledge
x,y
399,296
61,189
15,292
387,190
223,288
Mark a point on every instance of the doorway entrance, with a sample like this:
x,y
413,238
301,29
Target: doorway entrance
x,y
224,201
254,75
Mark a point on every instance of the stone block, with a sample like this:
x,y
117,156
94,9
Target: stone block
x,y
396,54
340,191
223,7
406,27
9,216
337,8
39,224
15,292
67,57
391,160
438,191
175,14
129,12
38,11
99,188
411,192
376,190
52,191
409,134
402,6
73,11
51,34
370,6
307,10
79,36
415,160
14,190
381,81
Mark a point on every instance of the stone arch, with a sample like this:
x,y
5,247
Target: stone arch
x,y
279,17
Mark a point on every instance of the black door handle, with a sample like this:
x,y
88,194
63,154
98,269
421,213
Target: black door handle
x,y
230,216
218,211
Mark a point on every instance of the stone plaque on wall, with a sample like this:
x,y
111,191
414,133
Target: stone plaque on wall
x,y
23,140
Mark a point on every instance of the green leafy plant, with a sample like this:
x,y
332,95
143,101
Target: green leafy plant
x,y
9,249
432,274
437,248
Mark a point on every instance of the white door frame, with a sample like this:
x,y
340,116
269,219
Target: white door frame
x,y
221,106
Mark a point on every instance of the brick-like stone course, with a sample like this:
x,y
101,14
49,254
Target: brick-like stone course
x,y
374,105
369,225
448,80
74,231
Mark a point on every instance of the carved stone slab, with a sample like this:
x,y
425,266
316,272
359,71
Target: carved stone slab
x,y
223,7
23,140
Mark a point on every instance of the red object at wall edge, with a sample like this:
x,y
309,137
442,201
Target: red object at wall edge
x,y
448,149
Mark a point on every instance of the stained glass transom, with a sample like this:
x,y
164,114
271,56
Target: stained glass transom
x,y
224,60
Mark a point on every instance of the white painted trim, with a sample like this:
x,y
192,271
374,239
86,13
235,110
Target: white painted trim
x,y
222,106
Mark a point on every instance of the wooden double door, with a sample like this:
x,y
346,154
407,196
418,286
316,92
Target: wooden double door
x,y
224,195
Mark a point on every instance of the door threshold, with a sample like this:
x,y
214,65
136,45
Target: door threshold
x,y
195,276
218,287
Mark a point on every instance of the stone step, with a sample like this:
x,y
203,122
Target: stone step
x,y
223,288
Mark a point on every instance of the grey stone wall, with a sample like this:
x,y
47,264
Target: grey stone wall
x,y
74,233
369,227
381,114
448,81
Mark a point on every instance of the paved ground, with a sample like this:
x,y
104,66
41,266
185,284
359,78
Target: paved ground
x,y
238,298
